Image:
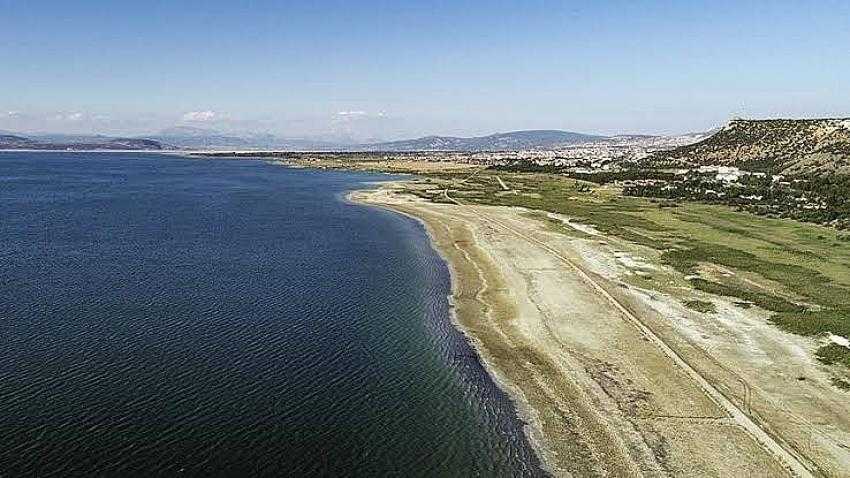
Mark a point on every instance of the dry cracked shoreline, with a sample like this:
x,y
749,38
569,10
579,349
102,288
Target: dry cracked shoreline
x,y
602,396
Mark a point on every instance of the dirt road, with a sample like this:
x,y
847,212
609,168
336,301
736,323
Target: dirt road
x,y
609,386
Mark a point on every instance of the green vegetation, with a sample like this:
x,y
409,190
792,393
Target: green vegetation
x,y
815,323
798,271
701,306
834,354
816,199
765,301
602,177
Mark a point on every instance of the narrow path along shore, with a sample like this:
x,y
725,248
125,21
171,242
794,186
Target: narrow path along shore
x,y
608,385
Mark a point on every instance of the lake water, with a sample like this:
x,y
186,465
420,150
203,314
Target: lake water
x,y
165,316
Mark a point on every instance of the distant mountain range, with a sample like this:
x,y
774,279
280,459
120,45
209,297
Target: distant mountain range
x,y
184,137
194,138
515,140
177,138
79,143
187,137
781,145
788,146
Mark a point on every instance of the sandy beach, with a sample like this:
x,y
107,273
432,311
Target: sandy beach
x,y
616,380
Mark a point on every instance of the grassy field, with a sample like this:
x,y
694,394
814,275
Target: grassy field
x,y
701,306
800,272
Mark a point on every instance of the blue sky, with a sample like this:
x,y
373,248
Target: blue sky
x,y
375,69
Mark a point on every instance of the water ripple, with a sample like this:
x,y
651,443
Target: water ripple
x,y
164,316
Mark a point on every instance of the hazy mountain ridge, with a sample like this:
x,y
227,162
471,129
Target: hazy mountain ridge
x,y
194,138
12,141
187,137
190,138
56,142
819,146
790,146
182,138
511,141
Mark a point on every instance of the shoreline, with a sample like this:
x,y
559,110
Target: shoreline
x,y
525,413
598,396
464,320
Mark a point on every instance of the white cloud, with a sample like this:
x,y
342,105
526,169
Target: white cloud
x,y
72,116
202,116
361,114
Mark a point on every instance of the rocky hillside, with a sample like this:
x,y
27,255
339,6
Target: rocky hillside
x,y
816,146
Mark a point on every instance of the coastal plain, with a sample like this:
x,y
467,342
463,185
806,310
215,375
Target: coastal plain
x,y
619,364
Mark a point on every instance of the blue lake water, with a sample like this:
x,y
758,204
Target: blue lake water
x,y
164,316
